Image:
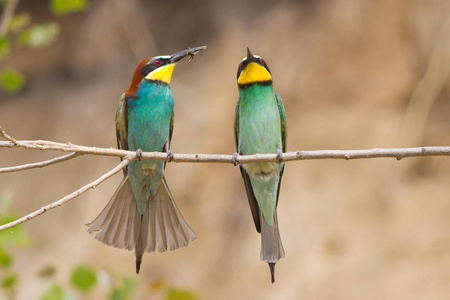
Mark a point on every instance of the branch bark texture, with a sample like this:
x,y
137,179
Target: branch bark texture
x,y
128,156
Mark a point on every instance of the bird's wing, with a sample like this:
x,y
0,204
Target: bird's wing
x,y
248,186
171,129
251,199
283,136
170,135
236,126
122,125
283,121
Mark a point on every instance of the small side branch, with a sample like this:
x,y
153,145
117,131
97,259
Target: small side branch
x,y
7,15
7,137
69,197
39,164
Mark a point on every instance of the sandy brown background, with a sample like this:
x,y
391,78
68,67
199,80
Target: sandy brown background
x,y
346,70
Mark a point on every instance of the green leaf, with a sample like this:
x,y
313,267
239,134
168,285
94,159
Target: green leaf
x,y
4,47
39,36
84,278
9,282
173,294
124,291
128,286
5,259
117,294
19,21
64,7
14,236
54,292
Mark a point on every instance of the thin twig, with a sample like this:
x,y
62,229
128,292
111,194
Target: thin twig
x,y
69,197
427,89
40,164
6,136
7,14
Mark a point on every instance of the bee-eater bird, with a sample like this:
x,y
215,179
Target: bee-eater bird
x,y
260,127
142,214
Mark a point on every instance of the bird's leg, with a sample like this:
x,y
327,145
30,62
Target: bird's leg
x,y
279,156
168,151
234,159
139,154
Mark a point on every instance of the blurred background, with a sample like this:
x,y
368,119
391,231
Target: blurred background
x,y
352,75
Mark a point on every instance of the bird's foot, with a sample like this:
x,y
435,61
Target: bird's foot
x,y
279,156
169,155
139,154
234,159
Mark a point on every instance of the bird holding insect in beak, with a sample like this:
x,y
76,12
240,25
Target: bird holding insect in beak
x,y
142,214
260,127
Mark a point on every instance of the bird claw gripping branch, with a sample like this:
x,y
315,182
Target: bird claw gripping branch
x,y
279,156
234,159
169,155
139,154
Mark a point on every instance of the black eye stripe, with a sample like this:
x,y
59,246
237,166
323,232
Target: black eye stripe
x,y
147,69
153,66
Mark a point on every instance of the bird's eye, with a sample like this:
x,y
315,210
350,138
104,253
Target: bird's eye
x,y
157,62
241,65
263,61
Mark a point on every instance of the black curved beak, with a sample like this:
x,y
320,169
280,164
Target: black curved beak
x,y
190,52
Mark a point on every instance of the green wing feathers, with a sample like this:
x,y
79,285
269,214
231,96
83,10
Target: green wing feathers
x,y
171,129
251,199
122,124
248,186
122,127
236,126
283,121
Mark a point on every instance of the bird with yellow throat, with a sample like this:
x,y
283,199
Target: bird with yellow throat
x,y
260,127
142,214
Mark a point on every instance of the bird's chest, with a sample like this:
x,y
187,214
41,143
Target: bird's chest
x,y
149,118
259,126
259,130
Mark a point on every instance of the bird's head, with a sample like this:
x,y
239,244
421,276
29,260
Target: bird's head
x,y
253,69
159,68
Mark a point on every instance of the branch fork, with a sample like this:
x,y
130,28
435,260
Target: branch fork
x,y
129,156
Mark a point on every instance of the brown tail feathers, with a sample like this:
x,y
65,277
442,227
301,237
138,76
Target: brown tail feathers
x,y
160,228
271,247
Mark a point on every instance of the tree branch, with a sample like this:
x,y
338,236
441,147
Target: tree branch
x,y
40,164
69,197
397,153
128,156
6,136
7,15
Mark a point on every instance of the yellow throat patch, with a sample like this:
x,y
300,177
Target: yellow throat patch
x,y
254,72
163,73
